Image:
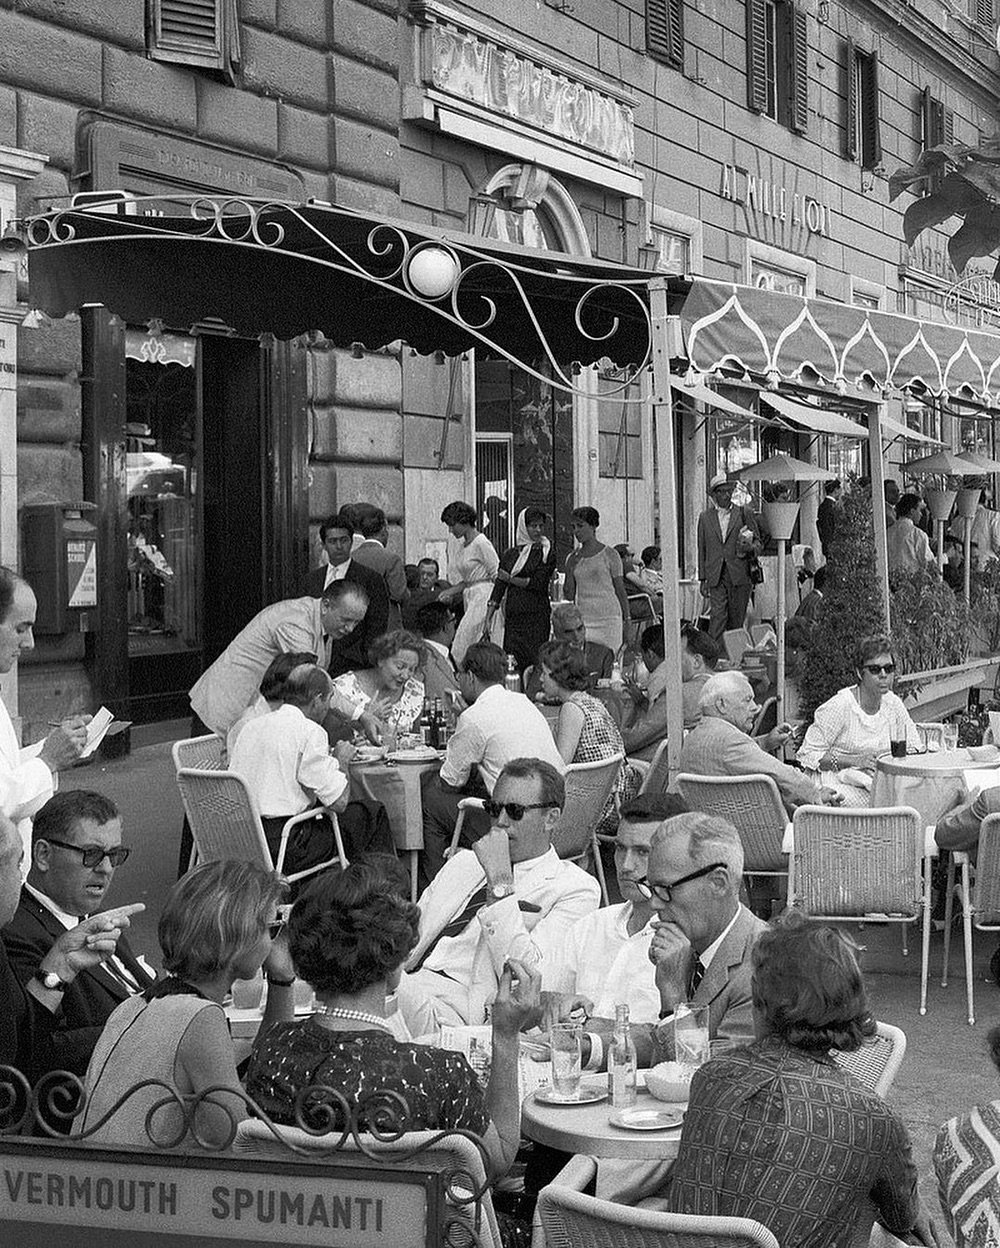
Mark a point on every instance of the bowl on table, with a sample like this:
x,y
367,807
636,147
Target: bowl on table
x,y
670,1081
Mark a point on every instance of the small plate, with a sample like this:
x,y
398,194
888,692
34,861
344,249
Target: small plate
x,y
586,1094
426,755
642,1119
369,754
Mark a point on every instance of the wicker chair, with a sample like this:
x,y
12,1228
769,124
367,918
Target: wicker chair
x,y
566,1218
735,642
655,772
864,866
753,805
980,901
225,822
575,835
878,1060
767,718
206,753
453,1154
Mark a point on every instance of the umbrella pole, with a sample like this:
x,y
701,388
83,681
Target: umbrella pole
x,y
780,622
968,558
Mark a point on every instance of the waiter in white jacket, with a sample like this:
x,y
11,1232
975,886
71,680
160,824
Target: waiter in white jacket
x,y
28,776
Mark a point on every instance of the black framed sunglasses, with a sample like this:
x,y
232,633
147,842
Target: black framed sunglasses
x,y
515,810
665,891
92,855
880,669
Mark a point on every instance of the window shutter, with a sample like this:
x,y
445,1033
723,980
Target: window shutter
x,y
799,77
947,125
852,101
756,57
871,114
665,31
984,12
202,33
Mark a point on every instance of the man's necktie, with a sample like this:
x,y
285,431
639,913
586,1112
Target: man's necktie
x,y
462,920
695,975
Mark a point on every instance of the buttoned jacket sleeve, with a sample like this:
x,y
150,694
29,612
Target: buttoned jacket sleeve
x,y
537,940
743,757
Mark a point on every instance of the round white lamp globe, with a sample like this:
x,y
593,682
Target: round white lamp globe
x,y
432,272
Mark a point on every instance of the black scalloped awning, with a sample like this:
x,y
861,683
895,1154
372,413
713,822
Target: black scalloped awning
x,y
288,269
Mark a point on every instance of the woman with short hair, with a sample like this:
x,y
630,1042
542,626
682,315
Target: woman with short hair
x,y
780,1133
522,588
350,933
850,730
476,566
595,581
391,684
220,923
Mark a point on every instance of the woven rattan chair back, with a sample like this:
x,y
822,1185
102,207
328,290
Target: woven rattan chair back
x,y
753,805
986,889
852,863
572,1220
767,718
204,753
657,777
224,820
736,642
587,789
875,1064
460,1157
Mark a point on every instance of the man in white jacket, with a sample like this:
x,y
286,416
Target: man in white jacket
x,y
28,776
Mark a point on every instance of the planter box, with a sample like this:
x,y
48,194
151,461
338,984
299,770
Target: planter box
x,y
933,695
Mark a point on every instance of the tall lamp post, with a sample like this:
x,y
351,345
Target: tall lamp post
x,y
780,519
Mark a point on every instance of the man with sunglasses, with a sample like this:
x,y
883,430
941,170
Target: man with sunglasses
x,y
703,937
509,896
76,848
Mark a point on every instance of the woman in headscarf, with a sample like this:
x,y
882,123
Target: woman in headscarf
x,y
523,580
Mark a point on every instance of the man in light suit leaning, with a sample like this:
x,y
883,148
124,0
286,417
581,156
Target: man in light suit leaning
x,y
509,896
704,934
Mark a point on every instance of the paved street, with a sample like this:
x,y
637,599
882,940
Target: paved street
x,y
945,1069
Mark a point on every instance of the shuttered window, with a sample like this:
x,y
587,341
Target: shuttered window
x,y
202,33
778,62
863,137
983,10
665,31
937,125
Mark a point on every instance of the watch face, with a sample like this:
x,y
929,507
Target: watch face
x,y
51,981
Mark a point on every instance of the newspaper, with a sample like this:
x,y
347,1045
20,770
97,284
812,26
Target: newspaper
x,y
476,1044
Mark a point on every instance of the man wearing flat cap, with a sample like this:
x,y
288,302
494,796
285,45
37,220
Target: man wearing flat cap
x,y
728,538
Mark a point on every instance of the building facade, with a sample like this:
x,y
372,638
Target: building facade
x,y
747,141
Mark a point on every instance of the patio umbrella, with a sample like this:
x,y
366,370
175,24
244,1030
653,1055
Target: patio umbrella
x,y
983,464
944,464
781,520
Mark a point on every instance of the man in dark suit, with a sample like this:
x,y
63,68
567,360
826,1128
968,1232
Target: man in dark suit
x,y
63,887
568,627
350,653
723,563
436,624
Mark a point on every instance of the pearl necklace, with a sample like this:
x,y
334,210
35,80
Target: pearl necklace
x,y
334,1011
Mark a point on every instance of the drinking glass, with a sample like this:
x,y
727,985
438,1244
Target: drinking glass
x,y
565,1048
898,748
691,1042
950,736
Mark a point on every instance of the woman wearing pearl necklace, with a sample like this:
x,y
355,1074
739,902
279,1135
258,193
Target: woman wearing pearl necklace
x,y
349,934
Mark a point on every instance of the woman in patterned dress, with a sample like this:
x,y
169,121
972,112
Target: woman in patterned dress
x,y
851,729
967,1163
585,731
390,685
349,934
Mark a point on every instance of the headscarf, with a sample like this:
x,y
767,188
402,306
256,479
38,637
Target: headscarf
x,y
525,543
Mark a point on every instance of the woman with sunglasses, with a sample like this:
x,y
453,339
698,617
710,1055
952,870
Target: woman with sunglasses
x,y
220,923
851,729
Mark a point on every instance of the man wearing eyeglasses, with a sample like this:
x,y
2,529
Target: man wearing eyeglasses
x,y
509,896
76,848
704,934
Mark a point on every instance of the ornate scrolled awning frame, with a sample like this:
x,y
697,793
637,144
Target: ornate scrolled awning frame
x,y
263,266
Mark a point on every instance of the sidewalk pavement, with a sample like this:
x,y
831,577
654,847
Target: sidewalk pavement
x,y
944,1072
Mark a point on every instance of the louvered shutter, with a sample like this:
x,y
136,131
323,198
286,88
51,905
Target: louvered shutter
x,y
190,32
947,125
665,31
756,56
871,114
984,12
798,84
852,102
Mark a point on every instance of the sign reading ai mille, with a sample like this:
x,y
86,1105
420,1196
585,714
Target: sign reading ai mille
x,y
764,198
88,1200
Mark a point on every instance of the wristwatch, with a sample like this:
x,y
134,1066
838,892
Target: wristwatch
x,y
499,891
50,981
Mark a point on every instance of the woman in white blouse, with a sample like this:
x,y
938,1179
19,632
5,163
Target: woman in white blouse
x,y
851,729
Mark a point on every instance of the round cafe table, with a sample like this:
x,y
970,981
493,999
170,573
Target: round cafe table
x,y
587,1129
932,784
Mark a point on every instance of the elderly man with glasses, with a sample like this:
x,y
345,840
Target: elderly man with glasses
x,y
76,848
509,896
702,941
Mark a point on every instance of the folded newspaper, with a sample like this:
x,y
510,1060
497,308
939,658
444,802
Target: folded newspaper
x,y
476,1043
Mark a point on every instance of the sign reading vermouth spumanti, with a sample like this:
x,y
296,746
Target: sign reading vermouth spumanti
x,y
98,1198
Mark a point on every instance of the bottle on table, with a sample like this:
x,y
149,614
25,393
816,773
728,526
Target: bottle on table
x,y
970,728
512,679
423,724
616,674
434,726
622,1062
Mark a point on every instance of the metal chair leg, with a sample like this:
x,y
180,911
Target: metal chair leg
x,y
949,904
